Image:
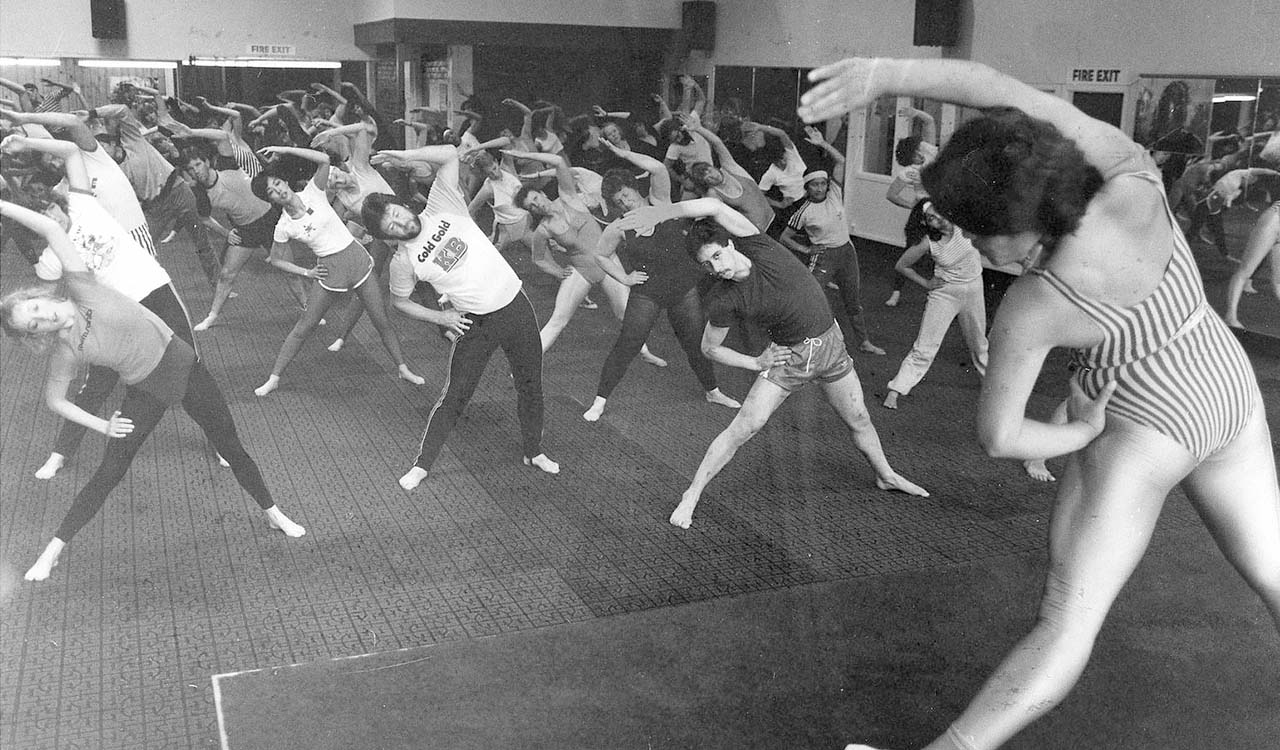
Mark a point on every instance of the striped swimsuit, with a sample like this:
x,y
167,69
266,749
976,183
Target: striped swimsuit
x,y
1178,368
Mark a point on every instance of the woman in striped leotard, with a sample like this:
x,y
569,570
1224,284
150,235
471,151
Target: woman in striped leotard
x,y
1164,395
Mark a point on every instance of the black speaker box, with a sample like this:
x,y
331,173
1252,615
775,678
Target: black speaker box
x,y
937,23
698,24
107,17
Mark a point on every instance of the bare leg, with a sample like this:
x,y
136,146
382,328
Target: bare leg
x,y
845,396
370,293
572,291
762,401
1108,502
1262,239
1236,494
321,299
236,257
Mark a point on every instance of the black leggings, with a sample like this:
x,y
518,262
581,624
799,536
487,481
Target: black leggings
x,y
100,381
687,320
206,405
514,328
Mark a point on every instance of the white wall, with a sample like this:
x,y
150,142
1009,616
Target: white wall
x,y
807,33
642,13
169,30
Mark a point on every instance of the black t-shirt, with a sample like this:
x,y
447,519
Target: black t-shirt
x,y
661,255
779,295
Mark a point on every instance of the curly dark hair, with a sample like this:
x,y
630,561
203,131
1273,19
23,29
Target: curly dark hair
x,y
705,232
615,180
1007,173
905,152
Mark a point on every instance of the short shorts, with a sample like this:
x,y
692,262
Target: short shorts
x,y
823,359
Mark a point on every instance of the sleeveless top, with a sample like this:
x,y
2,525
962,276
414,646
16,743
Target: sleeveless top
x,y
1179,370
661,254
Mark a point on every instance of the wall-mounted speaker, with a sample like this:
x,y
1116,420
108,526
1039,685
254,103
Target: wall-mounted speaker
x,y
937,23
698,24
108,19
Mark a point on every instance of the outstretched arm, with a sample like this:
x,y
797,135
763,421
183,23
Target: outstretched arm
x,y
73,160
233,115
221,138
564,174
321,177
76,128
727,162
659,175
24,97
53,233
814,136
929,127
647,217
856,82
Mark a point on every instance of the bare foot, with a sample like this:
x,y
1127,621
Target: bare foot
x,y
541,461
1037,470
205,324
336,346
266,388
651,358
407,374
893,299
682,516
715,396
597,408
412,478
52,464
891,400
870,348
280,521
896,482
46,562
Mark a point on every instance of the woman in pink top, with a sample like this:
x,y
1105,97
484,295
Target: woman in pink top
x,y
96,325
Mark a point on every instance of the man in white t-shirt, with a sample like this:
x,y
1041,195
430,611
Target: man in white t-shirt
x,y
444,247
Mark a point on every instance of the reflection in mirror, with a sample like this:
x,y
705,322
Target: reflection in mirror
x,y
877,150
768,96
1210,138
1249,192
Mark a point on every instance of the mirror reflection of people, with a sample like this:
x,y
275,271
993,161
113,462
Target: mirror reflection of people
x,y
1263,243
1164,397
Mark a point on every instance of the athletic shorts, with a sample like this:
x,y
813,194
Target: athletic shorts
x,y
347,269
823,359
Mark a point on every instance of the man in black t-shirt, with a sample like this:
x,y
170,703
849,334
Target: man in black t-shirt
x,y
760,281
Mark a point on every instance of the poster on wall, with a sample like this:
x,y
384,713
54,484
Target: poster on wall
x,y
150,82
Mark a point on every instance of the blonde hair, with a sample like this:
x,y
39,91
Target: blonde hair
x,y
38,342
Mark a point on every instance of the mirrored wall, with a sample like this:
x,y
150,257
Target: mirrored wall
x,y
1217,141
